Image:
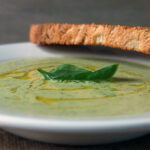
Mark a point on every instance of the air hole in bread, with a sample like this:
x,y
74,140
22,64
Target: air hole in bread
x,y
133,44
99,39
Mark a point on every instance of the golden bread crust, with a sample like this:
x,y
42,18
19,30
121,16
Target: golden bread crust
x,y
124,37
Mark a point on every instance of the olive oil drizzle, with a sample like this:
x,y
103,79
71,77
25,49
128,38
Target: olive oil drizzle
x,y
29,75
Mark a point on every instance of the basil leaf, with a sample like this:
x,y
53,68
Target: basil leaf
x,y
71,72
45,74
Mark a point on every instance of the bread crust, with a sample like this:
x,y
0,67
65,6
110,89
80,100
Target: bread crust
x,y
124,37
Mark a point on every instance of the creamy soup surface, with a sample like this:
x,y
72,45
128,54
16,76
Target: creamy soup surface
x,y
23,89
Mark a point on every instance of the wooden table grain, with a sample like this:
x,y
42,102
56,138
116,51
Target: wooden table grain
x,y
15,19
11,142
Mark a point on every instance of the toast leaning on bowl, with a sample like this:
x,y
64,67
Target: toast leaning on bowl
x,y
124,37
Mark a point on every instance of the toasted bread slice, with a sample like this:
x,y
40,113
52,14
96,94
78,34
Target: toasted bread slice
x,y
124,37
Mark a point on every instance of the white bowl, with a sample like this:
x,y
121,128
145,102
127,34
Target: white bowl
x,y
73,132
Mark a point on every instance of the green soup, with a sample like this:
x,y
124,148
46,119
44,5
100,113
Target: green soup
x,y
23,89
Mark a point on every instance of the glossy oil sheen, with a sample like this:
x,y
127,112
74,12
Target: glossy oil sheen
x,y
23,89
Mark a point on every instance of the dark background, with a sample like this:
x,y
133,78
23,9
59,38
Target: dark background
x,y
16,17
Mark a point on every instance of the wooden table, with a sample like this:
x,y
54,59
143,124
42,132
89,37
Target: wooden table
x,y
16,17
12,142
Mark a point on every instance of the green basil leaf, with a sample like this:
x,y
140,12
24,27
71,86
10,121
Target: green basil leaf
x,y
71,72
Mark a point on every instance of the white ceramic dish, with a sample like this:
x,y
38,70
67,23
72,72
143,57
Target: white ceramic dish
x,y
76,132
